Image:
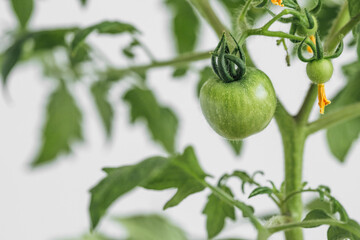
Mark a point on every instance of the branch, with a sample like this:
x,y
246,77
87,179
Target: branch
x,y
337,37
303,116
206,11
177,61
342,115
317,222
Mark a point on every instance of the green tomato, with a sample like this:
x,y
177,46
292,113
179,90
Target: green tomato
x,y
241,108
319,71
304,31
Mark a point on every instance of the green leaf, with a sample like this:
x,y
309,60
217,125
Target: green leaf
x,y
151,227
185,28
11,56
342,136
182,172
260,190
23,10
62,126
120,181
216,212
326,17
185,25
317,203
336,233
105,27
354,7
100,92
205,74
316,214
161,121
236,146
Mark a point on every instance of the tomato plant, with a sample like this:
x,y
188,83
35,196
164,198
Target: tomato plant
x,y
236,97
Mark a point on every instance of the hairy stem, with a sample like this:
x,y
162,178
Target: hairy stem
x,y
344,114
293,137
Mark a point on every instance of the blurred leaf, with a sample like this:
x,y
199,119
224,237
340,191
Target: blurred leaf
x,y
316,214
182,172
151,227
23,10
100,91
129,50
185,25
234,6
161,121
90,236
105,27
180,72
260,190
326,16
342,136
216,212
62,126
11,56
43,40
354,7
49,39
205,74
81,55
83,2
317,203
185,28
236,146
336,233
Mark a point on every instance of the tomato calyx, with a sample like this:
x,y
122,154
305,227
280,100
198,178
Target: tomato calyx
x,y
228,66
319,67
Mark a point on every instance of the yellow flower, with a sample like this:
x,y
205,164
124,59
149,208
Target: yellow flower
x,y
312,38
277,2
323,101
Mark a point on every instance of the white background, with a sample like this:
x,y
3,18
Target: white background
x,y
51,202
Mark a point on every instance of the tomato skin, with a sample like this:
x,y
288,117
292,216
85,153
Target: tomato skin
x,y
319,71
305,32
241,108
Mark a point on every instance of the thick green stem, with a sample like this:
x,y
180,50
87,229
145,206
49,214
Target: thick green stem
x,y
293,137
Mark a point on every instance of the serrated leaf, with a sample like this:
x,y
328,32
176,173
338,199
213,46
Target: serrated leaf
x,y
342,136
182,172
151,227
236,146
106,27
62,126
216,212
260,190
316,214
354,7
100,91
23,10
120,181
161,121
205,74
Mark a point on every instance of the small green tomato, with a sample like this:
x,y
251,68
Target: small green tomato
x,y
319,71
238,109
